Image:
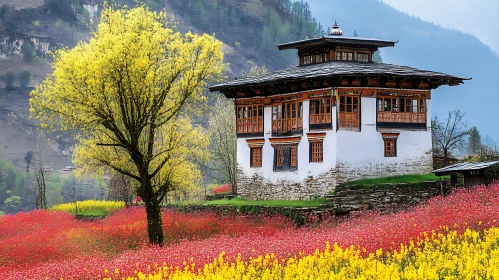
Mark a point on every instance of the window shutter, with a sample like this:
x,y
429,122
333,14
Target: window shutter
x,y
309,152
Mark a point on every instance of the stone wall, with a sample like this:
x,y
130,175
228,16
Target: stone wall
x,y
391,197
350,171
256,187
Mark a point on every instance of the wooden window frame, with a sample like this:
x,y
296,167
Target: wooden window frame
x,y
256,157
344,56
286,158
318,58
390,147
407,109
317,151
320,111
363,54
345,116
306,59
246,124
287,117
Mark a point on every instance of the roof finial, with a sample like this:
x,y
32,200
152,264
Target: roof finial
x,y
335,30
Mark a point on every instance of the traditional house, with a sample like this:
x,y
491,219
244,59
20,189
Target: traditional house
x,y
469,174
336,117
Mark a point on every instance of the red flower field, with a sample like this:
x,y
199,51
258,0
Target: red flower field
x,y
49,244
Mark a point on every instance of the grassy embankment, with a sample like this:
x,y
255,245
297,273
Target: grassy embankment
x,y
277,203
398,179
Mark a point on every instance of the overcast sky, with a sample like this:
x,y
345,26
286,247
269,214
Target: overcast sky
x,y
476,17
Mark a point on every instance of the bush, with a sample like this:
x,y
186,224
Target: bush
x,y
9,80
28,51
12,204
63,8
24,79
5,10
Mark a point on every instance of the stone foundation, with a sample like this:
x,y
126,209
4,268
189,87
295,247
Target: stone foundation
x,y
391,197
258,188
349,172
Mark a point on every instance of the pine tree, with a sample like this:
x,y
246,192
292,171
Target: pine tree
x,y
474,141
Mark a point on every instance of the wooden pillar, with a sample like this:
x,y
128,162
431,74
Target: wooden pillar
x,y
453,180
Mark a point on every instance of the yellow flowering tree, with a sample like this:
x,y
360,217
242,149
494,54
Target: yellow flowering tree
x,y
129,93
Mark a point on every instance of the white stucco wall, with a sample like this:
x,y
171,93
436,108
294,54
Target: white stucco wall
x,y
305,168
361,154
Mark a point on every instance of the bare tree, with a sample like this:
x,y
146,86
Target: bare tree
x,y
254,70
222,131
73,194
449,135
120,188
41,170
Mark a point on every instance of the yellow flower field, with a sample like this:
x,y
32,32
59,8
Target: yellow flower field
x,y
90,207
470,255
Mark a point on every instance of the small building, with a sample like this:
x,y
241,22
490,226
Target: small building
x,y
468,174
337,116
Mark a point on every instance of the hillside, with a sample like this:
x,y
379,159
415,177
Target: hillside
x,y
50,24
427,46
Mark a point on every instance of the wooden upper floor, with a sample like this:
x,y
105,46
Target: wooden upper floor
x,y
398,109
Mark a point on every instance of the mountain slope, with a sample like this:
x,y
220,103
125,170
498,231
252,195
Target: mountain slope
x,y
427,46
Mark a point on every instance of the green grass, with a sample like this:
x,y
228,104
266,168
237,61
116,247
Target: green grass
x,y
397,179
278,203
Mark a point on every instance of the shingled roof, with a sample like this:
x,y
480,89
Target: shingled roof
x,y
337,69
338,40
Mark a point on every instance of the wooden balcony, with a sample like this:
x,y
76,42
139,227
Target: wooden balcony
x,y
320,118
250,125
287,126
402,120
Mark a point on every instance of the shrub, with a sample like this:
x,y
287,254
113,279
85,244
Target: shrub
x,y
9,80
24,79
12,204
28,51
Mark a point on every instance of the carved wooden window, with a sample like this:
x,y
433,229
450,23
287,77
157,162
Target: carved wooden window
x,y
344,56
306,59
287,117
318,58
390,147
279,157
401,110
349,114
256,157
293,157
320,111
250,118
316,151
285,158
363,57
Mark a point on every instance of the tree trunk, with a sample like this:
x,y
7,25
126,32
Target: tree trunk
x,y
154,222
446,155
